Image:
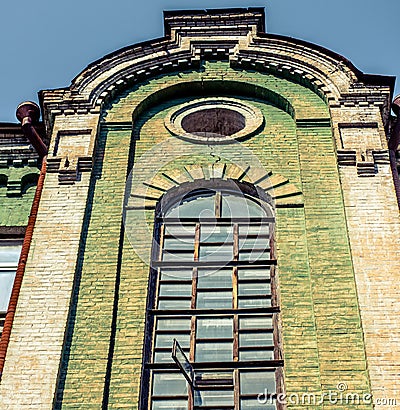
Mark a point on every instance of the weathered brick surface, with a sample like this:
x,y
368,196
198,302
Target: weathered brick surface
x,y
37,336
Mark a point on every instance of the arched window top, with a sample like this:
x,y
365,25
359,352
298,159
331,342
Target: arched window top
x,y
209,204
208,199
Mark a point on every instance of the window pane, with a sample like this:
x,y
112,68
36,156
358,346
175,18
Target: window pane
x,y
6,284
214,300
169,384
212,278
259,288
249,355
257,382
253,243
240,206
261,302
176,274
256,339
254,255
166,340
201,206
216,233
254,273
178,257
181,243
262,403
214,378
213,397
255,322
174,304
178,289
214,352
165,357
173,324
223,253
254,229
169,404
9,253
214,328
180,229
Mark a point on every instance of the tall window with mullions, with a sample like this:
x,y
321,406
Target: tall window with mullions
x,y
212,288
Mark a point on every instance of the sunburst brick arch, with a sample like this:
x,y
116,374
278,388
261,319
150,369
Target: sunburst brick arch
x,y
284,193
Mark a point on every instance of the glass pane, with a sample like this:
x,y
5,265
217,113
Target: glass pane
x,y
173,324
255,322
223,253
213,397
214,300
214,378
254,255
174,304
216,233
9,253
240,206
178,257
6,285
180,229
214,328
255,273
213,352
176,274
253,243
254,229
211,278
194,207
249,355
172,289
165,357
258,288
263,302
257,382
165,340
263,403
182,243
169,384
256,339
169,404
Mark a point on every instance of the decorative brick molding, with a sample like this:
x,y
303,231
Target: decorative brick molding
x,y
69,173
245,45
279,188
225,120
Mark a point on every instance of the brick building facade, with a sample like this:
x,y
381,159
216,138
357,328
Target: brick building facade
x,y
234,190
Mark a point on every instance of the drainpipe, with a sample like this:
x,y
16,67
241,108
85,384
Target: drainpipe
x,y
393,144
28,113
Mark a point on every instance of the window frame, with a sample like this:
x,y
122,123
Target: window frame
x,y
194,313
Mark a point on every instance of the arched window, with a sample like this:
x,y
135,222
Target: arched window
x,y
212,291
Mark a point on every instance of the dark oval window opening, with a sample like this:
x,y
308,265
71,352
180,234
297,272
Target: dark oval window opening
x,y
214,122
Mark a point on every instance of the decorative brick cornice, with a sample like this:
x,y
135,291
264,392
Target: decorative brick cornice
x,y
235,35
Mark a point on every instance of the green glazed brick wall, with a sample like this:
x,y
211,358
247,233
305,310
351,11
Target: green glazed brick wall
x,y
15,209
320,313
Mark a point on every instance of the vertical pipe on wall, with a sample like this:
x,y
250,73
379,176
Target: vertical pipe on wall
x,y
27,113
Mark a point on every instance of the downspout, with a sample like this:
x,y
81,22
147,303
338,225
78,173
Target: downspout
x,y
393,144
27,113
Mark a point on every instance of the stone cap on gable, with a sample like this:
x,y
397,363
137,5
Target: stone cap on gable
x,y
184,20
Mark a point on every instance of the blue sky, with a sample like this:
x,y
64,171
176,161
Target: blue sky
x,y
45,44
